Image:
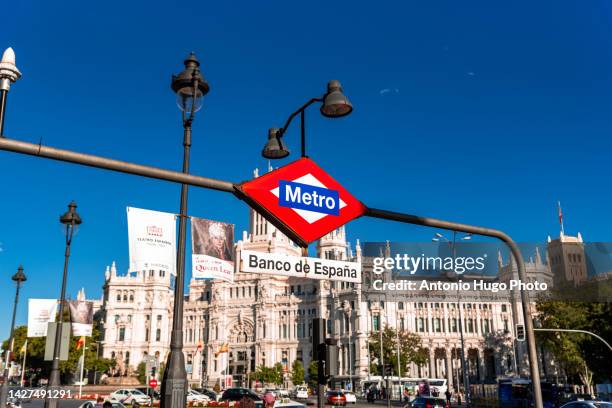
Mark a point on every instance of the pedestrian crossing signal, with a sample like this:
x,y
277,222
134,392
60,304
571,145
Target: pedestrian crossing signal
x,y
520,332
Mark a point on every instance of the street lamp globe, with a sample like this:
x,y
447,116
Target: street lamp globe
x,y
19,277
335,103
71,217
190,86
275,148
8,70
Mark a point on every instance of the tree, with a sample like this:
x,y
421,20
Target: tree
x,y
297,372
577,352
313,372
141,372
500,342
269,375
410,347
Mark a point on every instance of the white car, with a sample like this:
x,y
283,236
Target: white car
x,y
194,396
350,397
301,393
92,404
131,395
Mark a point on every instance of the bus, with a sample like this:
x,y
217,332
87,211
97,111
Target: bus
x,y
422,386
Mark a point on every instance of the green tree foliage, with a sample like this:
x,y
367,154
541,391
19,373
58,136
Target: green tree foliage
x,y
313,368
36,353
141,372
574,350
410,347
269,375
297,372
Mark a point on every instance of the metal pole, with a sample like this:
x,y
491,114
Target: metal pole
x,y
303,131
54,377
576,331
9,351
453,226
174,384
115,165
82,367
3,96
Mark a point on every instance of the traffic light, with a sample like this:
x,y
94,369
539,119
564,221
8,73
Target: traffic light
x,y
331,360
520,332
318,337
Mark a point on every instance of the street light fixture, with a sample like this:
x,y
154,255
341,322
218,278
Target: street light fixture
x,y
437,238
18,278
8,74
71,220
190,88
334,105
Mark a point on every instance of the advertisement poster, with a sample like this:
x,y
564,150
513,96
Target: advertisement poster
x,y
40,312
152,240
81,316
212,249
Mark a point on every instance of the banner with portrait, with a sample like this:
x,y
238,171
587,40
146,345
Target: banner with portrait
x,y
40,312
212,249
152,240
81,316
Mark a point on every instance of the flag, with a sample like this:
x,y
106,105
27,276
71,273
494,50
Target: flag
x,y
81,315
560,213
24,347
152,240
212,249
224,349
200,345
80,342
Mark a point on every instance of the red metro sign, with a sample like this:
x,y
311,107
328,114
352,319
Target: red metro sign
x,y
301,200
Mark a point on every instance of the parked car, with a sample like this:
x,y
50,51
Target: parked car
x,y
92,404
152,392
428,402
194,396
336,398
351,398
587,404
209,393
130,396
236,394
300,392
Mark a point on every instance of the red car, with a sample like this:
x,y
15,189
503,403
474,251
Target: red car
x,y
336,398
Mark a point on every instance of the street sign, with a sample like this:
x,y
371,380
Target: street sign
x,y
152,383
301,200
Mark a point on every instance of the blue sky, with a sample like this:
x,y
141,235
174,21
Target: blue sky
x,y
493,112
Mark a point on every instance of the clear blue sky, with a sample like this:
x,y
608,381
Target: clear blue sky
x,y
481,112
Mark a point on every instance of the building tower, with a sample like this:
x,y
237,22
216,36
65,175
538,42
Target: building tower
x,y
567,259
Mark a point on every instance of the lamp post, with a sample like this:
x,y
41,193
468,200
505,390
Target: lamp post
x,y
334,105
8,75
18,278
190,88
70,220
466,382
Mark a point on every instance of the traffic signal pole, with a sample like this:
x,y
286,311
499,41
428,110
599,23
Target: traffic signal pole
x,y
39,150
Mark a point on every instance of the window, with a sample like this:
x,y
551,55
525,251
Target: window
x,y
506,325
147,334
162,274
118,297
121,333
116,318
400,305
158,335
470,325
436,325
131,296
420,324
402,328
504,308
375,323
452,323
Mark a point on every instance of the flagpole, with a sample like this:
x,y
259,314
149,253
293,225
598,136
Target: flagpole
x,y
25,353
560,217
82,366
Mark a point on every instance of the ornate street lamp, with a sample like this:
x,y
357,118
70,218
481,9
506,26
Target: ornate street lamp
x,y
8,75
18,278
71,220
334,105
190,88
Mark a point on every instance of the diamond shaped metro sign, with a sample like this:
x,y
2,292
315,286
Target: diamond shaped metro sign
x,y
301,200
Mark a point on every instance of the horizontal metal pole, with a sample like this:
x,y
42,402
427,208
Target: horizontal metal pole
x,y
576,331
115,165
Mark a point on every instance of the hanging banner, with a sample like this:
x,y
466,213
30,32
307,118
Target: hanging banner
x,y
40,312
152,240
299,267
81,316
212,249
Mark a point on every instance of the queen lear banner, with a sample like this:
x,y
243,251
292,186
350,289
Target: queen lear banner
x,y
212,249
300,267
40,312
81,316
152,240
